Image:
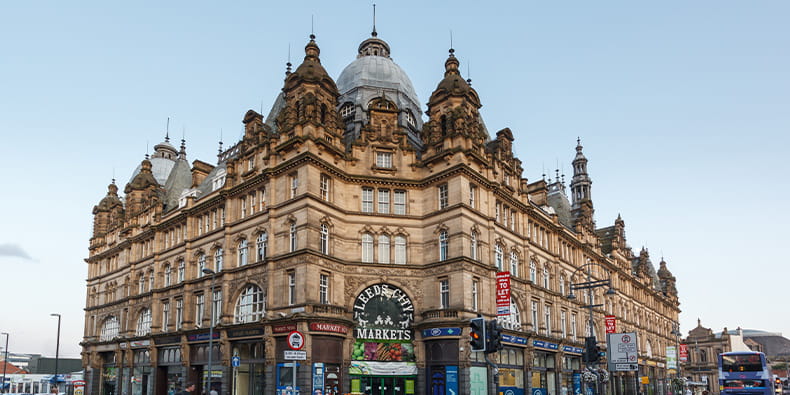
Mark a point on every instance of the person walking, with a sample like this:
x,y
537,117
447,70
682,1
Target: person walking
x,y
189,389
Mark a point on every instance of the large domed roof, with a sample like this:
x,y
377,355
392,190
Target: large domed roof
x,y
376,71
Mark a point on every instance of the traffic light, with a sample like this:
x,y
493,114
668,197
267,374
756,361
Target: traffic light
x,y
494,343
591,350
477,334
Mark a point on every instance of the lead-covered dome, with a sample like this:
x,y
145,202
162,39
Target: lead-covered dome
x,y
373,75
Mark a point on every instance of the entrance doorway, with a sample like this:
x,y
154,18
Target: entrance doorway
x,y
386,385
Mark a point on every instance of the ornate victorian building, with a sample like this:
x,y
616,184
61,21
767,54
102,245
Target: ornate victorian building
x,y
376,234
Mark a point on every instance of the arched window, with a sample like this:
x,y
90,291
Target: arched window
x,y
473,238
498,258
144,323
347,110
243,252
367,248
218,260
201,264
384,249
182,268
292,237
513,320
168,274
562,284
513,264
546,277
400,250
263,238
251,305
533,272
109,329
443,245
324,239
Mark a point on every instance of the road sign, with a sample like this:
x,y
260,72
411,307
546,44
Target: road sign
x,y
295,355
235,361
295,340
622,350
626,367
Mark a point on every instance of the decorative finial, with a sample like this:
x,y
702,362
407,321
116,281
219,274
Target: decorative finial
x,y
146,150
374,34
288,63
312,27
468,74
167,131
220,141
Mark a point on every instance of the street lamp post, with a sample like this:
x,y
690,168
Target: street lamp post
x,y
5,362
589,285
676,332
210,329
57,351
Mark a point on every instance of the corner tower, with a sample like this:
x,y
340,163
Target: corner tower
x,y
582,206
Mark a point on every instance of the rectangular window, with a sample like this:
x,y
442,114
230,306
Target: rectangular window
x,y
512,219
498,212
291,288
179,313
165,315
323,289
199,308
505,211
324,186
263,198
384,201
473,195
243,207
535,322
400,250
573,326
252,197
547,318
216,312
205,222
400,202
384,160
367,200
444,293
475,294
251,163
443,197
563,324
294,185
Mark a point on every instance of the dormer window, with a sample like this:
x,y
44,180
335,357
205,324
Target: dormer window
x,y
347,110
218,181
409,118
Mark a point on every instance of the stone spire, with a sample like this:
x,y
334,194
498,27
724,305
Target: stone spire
x,y
582,205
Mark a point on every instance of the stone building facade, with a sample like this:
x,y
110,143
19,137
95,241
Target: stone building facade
x,y
348,219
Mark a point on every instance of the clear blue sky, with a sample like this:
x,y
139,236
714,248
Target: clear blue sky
x,y
682,108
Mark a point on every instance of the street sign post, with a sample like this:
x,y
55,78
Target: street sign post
x,y
622,352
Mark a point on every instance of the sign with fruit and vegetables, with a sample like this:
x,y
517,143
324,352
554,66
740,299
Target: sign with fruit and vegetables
x,y
384,316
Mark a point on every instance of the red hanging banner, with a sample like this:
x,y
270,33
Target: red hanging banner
x,y
503,294
684,353
611,324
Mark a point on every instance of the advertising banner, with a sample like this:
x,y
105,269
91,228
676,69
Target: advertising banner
x,y
452,380
611,324
684,353
672,361
503,294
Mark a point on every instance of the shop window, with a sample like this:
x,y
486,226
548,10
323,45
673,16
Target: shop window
x,y
250,306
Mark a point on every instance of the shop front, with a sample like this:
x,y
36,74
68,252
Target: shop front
x,y
109,374
543,376
169,377
441,360
140,381
248,357
570,374
382,359
198,361
327,339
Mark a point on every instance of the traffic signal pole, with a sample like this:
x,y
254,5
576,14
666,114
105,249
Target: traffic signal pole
x,y
494,373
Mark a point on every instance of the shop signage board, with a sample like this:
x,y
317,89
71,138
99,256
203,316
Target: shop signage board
x,y
327,327
235,361
611,324
283,328
433,332
622,351
503,294
291,355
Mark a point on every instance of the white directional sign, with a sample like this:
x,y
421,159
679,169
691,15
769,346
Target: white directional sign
x,y
295,355
622,351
